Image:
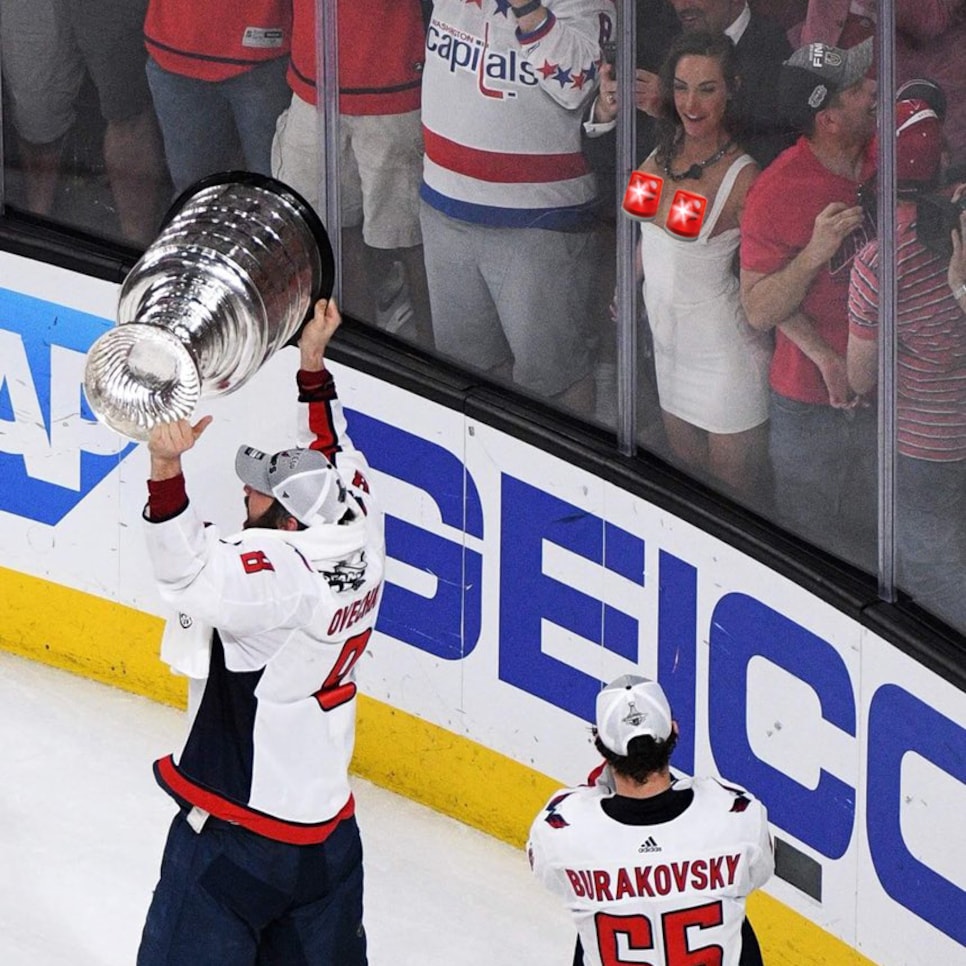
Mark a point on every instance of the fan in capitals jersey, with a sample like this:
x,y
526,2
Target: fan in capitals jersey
x,y
510,155
654,870
509,198
272,621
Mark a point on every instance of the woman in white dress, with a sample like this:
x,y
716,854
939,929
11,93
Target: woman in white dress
x,y
712,367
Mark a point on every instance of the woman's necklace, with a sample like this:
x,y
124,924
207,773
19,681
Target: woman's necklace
x,y
696,169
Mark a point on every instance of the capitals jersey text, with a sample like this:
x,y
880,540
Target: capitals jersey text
x,y
502,112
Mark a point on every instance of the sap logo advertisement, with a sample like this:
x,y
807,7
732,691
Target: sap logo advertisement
x,y
515,561
53,451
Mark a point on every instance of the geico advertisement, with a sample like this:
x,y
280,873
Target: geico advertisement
x,y
516,584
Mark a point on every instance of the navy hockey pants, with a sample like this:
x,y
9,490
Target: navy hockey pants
x,y
228,897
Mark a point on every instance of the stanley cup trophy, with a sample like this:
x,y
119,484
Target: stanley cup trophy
x,y
237,268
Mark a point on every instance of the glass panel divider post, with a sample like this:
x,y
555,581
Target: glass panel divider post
x,y
888,300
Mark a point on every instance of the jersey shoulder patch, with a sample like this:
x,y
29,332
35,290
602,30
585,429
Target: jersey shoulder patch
x,y
552,817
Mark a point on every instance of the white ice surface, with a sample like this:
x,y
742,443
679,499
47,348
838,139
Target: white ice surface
x,y
82,826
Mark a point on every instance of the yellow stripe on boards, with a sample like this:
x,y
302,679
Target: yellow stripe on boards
x,y
87,635
482,788
789,939
450,773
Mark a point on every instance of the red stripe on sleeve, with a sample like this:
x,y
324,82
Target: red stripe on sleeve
x,y
166,498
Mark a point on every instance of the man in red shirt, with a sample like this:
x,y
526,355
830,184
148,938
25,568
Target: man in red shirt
x,y
801,228
217,76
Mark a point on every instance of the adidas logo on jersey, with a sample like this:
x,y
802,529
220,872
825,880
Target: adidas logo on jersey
x,y
649,845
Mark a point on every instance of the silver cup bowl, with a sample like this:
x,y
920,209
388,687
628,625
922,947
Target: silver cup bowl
x,y
233,275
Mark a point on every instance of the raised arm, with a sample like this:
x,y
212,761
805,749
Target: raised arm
x,y
322,422
561,42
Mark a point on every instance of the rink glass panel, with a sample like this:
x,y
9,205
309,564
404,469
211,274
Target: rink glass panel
x,y
87,159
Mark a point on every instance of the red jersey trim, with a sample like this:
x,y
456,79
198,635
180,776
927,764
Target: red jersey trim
x,y
500,167
166,498
318,389
292,833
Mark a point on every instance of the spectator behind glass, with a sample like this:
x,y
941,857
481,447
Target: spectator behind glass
x,y
656,27
712,368
839,23
508,195
800,230
381,54
940,55
787,13
930,373
930,40
217,76
49,47
761,47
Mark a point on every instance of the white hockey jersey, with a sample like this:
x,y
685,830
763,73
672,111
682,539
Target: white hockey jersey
x,y
502,113
658,893
284,618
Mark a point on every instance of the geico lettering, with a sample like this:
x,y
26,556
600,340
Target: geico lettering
x,y
680,595
346,616
902,726
753,631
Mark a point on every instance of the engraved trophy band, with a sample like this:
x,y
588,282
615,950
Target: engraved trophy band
x,y
234,273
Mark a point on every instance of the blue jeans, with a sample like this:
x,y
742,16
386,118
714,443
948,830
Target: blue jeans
x,y
931,536
228,897
204,122
824,463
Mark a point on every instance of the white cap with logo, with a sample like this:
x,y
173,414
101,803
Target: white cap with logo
x,y
630,707
302,480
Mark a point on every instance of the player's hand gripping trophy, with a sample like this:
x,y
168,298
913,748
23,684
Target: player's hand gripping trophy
x,y
238,265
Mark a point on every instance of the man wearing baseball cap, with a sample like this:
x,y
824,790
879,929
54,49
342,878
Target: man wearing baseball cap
x,y
647,862
263,860
800,229
930,370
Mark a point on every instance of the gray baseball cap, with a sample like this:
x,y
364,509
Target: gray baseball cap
x,y
816,72
630,707
302,480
